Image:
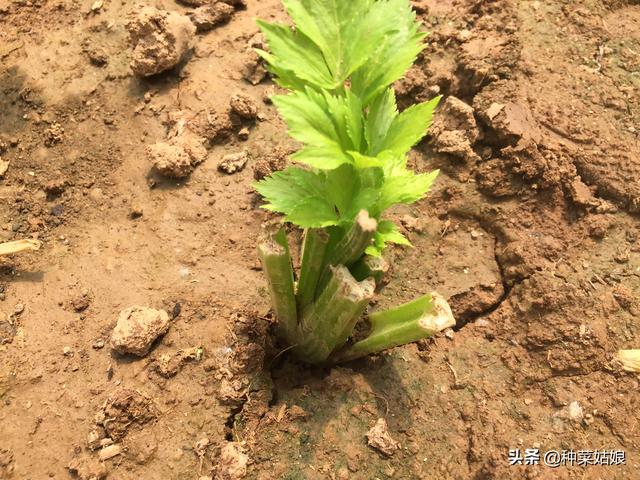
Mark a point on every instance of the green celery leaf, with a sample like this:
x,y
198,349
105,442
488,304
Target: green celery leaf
x,y
409,127
284,78
347,32
301,195
387,233
310,121
313,212
406,188
382,112
365,199
325,157
328,125
342,185
351,191
394,56
346,113
294,52
364,161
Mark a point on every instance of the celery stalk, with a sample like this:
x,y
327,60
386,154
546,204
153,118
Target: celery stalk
x,y
350,247
407,323
313,253
355,241
330,320
369,266
9,248
276,263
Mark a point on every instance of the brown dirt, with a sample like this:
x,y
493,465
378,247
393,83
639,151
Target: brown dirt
x,y
531,232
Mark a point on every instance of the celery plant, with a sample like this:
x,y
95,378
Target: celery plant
x,y
338,64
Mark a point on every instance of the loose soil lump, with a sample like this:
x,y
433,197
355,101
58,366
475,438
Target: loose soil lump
x,y
160,39
137,329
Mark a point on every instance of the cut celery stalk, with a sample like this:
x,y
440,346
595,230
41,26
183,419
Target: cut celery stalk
x,y
407,323
350,247
330,320
276,263
313,253
369,266
18,246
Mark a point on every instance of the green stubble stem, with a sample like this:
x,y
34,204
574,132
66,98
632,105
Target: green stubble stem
x,y
314,248
330,320
276,263
407,323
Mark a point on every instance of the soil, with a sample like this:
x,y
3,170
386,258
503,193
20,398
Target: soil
x,y
531,232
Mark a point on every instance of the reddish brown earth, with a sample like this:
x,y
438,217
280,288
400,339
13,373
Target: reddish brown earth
x,y
531,232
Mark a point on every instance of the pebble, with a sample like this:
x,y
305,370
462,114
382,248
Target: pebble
x,y
575,412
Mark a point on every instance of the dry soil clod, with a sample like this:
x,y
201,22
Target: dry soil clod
x,y
208,17
380,438
253,67
122,410
137,328
234,162
232,464
181,152
455,130
160,40
244,105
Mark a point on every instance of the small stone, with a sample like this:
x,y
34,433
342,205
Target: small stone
x,y
98,56
411,223
53,135
97,5
243,134
475,234
170,160
201,446
137,328
494,110
575,412
98,344
380,439
296,412
67,351
19,308
55,187
234,162
622,256
87,468
4,166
